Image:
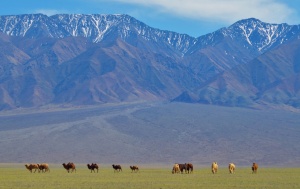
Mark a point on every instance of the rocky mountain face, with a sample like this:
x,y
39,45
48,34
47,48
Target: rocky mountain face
x,y
89,59
268,78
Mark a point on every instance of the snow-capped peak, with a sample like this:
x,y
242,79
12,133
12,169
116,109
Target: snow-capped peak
x,y
261,35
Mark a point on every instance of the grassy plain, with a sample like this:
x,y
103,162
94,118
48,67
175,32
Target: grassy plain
x,y
16,176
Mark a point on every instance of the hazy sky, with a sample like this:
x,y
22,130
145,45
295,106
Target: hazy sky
x,y
193,17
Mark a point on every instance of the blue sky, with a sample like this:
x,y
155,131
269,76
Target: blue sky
x,y
193,17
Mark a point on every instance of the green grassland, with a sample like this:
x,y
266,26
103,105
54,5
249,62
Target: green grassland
x,y
16,176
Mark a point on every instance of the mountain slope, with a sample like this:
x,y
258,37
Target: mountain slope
x,y
240,43
88,59
271,78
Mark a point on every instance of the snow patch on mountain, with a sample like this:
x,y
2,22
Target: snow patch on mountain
x,y
261,35
255,34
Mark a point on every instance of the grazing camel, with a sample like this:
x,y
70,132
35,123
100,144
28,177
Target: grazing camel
x,y
254,168
30,167
214,167
93,166
117,168
182,167
231,168
69,166
189,168
44,167
176,168
134,168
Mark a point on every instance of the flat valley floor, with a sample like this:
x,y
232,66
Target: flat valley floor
x,y
16,176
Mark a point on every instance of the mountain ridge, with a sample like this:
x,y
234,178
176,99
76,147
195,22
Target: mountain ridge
x,y
90,59
95,26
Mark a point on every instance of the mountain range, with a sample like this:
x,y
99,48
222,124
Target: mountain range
x,y
77,59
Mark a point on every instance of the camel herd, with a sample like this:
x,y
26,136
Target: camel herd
x,y
70,167
177,167
231,167
188,168
44,167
